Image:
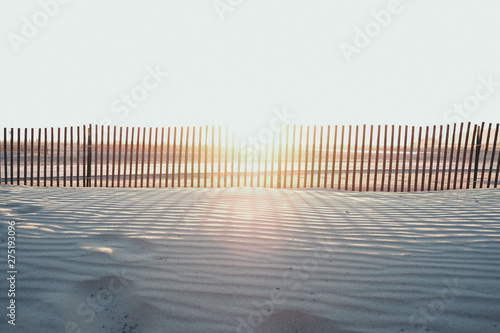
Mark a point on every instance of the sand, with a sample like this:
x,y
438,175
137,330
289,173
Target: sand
x,y
252,260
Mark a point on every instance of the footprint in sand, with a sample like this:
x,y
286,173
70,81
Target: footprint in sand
x,y
111,304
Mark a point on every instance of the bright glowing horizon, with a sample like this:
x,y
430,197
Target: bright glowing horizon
x,y
182,63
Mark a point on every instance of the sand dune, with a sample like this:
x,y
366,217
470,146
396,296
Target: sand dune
x,y
252,260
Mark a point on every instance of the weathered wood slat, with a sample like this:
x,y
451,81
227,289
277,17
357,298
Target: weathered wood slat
x,y
493,155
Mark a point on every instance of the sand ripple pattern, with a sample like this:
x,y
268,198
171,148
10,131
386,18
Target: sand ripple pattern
x,y
216,260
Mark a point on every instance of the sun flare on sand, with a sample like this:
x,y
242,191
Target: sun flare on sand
x,y
255,216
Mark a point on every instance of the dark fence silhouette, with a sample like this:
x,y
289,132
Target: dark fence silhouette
x,y
356,158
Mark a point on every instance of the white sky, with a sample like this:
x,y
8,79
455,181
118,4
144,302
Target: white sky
x,y
264,55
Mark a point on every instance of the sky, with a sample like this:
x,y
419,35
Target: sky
x,y
248,63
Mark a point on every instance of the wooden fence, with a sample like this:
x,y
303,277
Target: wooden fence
x,y
357,158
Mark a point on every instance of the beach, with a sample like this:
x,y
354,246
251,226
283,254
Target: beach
x,y
251,260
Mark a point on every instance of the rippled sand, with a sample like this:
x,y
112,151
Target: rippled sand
x,y
253,260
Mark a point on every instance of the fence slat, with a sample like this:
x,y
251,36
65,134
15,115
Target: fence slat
x,y
119,157
107,155
219,158
306,158
225,156
361,166
369,159
286,154
38,159
252,165
136,169
199,156
279,179
384,159
232,160
45,151
89,155
125,153
320,155
149,158
58,157
155,155
102,156
5,163
404,159
186,156
464,157
31,155
161,158
206,158
445,156
192,157
113,156
65,148
12,156
417,163
391,156
300,156
313,155
431,164
438,158
458,155
143,151
341,157
258,167
396,172
51,155
411,157
327,150
471,155
52,139
168,159
498,169
84,156
425,157
485,155
478,153
493,154
180,159
84,149
452,151
5,167
376,160
26,157
355,159
96,144
212,160
131,163
272,161
265,164
348,159
19,156
245,170
239,163
292,168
